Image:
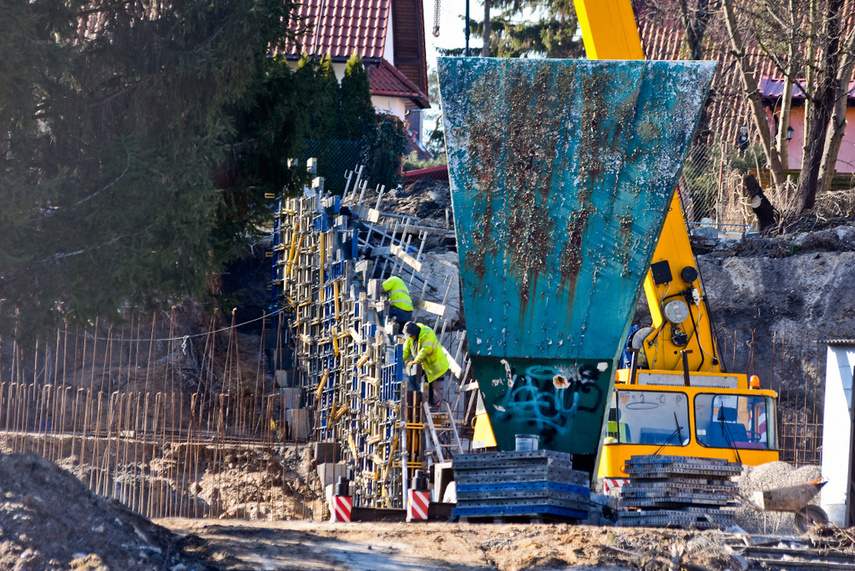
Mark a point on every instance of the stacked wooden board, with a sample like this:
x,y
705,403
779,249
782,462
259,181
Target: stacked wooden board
x,y
678,491
532,483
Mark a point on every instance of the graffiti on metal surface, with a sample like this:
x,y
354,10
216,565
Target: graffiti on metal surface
x,y
548,399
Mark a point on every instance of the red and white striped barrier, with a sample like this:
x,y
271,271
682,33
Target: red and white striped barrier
x,y
340,508
417,504
610,484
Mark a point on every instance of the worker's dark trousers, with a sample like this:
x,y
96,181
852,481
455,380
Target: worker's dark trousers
x,y
433,391
400,315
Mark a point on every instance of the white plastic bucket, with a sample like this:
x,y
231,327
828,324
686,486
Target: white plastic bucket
x,y
527,442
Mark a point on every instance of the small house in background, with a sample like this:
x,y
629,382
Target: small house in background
x,y
387,34
771,90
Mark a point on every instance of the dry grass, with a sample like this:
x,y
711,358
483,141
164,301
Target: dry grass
x,y
732,207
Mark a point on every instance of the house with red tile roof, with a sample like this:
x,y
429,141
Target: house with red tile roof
x,y
663,38
387,34
772,91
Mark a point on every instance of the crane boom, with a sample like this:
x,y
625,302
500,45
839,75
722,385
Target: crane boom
x,y
681,336
609,31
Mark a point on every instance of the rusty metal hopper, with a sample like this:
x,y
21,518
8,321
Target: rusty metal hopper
x,y
561,172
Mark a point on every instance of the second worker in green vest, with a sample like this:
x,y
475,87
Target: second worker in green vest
x,y
401,306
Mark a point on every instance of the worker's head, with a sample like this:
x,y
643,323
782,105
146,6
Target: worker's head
x,y
344,211
411,329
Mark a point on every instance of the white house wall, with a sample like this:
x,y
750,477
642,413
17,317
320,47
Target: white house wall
x,y
389,42
391,105
837,431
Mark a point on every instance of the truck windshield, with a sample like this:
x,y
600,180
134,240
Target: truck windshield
x,y
732,421
649,417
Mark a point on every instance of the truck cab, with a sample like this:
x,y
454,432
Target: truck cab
x,y
715,416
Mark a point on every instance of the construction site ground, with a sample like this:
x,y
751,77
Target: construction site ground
x,y
50,520
452,546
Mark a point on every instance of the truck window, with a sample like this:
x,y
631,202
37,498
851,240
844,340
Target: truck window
x,y
649,417
732,421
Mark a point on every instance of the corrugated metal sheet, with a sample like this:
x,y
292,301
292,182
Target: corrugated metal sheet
x,y
561,172
838,342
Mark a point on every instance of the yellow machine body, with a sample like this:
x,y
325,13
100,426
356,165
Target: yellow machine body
x,y
715,415
673,289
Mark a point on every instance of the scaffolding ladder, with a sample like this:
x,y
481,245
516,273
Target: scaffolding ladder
x,y
441,435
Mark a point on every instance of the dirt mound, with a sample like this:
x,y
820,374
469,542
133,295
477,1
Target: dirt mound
x,y
839,238
426,199
50,520
265,486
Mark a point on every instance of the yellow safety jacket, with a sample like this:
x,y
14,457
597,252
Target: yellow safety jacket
x,y
428,352
399,295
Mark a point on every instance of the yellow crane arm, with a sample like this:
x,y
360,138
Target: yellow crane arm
x,y
609,31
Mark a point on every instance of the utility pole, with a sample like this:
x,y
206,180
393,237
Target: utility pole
x,y
466,31
485,50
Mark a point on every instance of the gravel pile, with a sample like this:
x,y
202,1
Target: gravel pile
x,y
767,477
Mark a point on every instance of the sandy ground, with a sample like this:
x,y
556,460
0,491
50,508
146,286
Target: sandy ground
x,y
414,546
50,521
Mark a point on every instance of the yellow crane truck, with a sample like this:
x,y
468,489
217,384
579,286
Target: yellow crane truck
x,y
676,398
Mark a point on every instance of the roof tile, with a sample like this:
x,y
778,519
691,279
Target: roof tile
x,y
340,28
385,79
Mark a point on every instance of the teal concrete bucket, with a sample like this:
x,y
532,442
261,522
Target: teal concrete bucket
x,y
561,173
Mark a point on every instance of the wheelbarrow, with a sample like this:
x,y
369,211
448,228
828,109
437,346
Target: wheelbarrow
x,y
795,499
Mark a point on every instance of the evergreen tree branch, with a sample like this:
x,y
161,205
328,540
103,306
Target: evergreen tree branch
x,y
100,9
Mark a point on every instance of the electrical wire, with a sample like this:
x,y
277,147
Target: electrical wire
x,y
184,337
712,356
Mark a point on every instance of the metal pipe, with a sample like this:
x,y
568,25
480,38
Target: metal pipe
x,y
685,355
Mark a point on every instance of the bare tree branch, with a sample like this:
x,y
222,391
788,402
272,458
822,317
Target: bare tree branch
x,y
753,94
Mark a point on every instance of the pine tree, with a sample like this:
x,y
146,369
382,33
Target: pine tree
x,y
327,102
357,111
554,34
384,150
271,123
110,134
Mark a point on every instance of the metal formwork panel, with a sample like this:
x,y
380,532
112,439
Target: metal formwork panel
x,y
561,173
523,510
696,517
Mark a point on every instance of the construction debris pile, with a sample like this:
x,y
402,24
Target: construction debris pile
x,y
339,362
766,477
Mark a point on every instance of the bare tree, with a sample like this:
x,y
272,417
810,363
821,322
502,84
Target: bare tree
x,y
695,22
837,126
782,30
823,102
752,93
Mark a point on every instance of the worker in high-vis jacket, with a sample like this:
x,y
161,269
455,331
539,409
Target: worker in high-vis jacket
x,y
423,347
401,305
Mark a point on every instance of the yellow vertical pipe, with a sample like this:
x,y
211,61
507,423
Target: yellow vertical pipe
x,y
295,246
